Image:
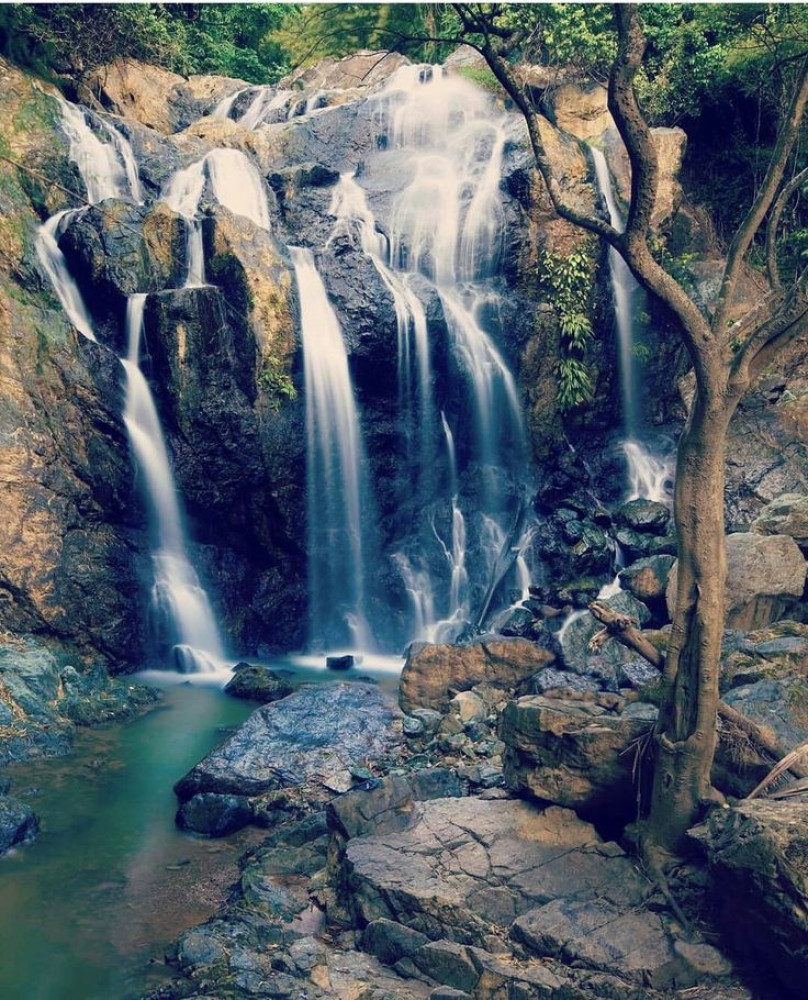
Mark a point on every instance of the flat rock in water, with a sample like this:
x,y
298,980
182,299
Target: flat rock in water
x,y
316,735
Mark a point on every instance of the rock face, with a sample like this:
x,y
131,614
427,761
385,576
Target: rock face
x,y
573,753
787,515
431,671
42,700
758,858
765,579
312,739
468,881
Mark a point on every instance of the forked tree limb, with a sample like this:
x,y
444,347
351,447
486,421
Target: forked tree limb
x,y
622,628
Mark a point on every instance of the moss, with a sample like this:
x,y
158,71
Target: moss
x,y
275,383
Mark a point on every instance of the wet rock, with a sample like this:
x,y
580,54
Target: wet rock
x,y
765,579
256,683
116,249
605,662
646,516
19,823
638,674
41,702
315,736
518,623
214,815
787,515
571,753
758,858
647,578
339,662
430,671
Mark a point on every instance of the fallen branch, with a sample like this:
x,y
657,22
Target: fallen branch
x,y
621,627
780,768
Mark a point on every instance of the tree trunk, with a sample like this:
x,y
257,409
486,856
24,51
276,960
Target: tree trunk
x,y
686,731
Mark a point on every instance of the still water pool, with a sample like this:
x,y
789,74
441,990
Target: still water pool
x,y
88,909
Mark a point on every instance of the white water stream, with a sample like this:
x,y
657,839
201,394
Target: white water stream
x,y
649,476
335,461
109,171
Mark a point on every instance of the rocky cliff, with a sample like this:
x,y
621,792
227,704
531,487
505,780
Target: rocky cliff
x,y
224,359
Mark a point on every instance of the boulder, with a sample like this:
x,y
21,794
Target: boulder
x,y
430,671
18,823
647,578
214,815
758,857
780,650
605,662
256,683
312,738
643,516
765,579
572,753
777,705
787,515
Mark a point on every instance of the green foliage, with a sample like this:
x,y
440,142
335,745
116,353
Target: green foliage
x,y
574,383
312,32
274,381
568,280
482,77
73,39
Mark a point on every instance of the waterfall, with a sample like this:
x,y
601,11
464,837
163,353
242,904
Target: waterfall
x,y
109,171
235,184
648,475
177,594
107,168
335,462
55,266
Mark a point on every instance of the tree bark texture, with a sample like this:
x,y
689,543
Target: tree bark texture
x,y
686,732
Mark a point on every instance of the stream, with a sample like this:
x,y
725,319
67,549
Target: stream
x,y
88,910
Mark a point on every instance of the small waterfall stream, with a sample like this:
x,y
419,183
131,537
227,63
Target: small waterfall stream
x,y
109,171
334,475
178,595
648,475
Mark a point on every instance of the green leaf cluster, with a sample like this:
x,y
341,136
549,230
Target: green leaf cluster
x,y
275,382
568,281
70,40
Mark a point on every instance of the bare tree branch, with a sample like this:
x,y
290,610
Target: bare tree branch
x,y
768,191
774,223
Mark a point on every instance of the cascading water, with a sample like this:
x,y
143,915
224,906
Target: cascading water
x,y
235,183
334,474
443,236
109,171
648,475
178,596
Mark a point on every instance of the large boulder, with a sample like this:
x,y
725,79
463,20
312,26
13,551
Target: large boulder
x,y
765,579
573,753
787,515
312,738
430,671
758,855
